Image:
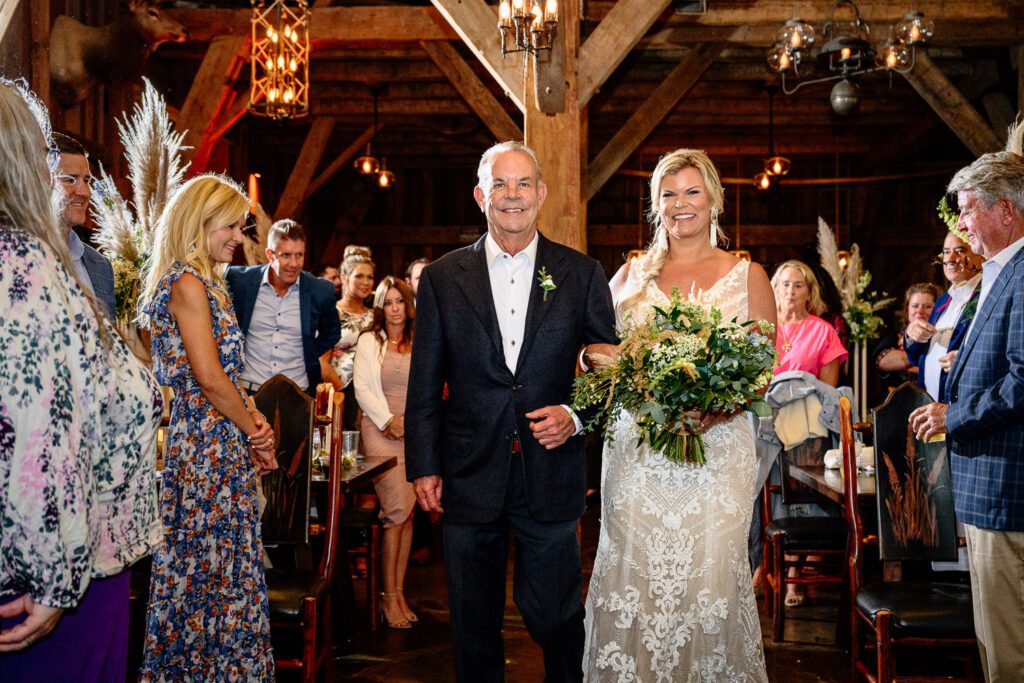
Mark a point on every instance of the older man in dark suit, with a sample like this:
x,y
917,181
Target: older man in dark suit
x,y
984,420
500,323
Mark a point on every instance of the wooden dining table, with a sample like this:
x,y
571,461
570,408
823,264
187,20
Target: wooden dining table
x,y
829,482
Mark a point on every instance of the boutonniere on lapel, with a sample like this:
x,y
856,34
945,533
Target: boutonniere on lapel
x,y
545,281
970,309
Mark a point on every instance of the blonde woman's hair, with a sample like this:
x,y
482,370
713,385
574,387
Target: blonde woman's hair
x,y
815,304
648,265
203,203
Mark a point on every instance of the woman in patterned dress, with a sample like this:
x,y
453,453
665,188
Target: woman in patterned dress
x,y
670,595
208,614
356,285
78,421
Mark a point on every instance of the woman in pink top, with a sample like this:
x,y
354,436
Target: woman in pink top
x,y
803,340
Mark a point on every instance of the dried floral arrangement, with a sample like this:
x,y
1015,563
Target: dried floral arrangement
x,y
860,305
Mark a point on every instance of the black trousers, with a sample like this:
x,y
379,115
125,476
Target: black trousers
x,y
547,589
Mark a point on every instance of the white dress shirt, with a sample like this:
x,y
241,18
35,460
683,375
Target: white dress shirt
x,y
511,280
273,344
959,294
990,271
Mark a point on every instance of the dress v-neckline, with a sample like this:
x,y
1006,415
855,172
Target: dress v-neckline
x,y
668,297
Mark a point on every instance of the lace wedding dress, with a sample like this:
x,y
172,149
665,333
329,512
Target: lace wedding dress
x,y
671,597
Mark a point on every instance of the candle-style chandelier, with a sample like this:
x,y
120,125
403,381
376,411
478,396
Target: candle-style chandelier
x,y
280,59
527,31
847,51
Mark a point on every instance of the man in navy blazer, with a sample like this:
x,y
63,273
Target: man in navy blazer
x,y
984,419
500,324
73,176
287,315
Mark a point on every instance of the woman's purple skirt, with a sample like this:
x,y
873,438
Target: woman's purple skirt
x,y
89,645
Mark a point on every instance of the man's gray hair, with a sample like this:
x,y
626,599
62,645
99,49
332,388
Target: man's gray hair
x,y
993,176
483,171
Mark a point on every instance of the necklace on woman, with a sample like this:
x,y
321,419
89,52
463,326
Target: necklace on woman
x,y
786,345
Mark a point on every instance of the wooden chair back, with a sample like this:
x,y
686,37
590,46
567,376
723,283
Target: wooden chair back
x,y
289,409
334,474
809,452
916,520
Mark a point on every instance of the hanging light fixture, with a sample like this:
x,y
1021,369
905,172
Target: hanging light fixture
x,y
529,30
385,178
279,59
762,181
847,51
368,164
775,164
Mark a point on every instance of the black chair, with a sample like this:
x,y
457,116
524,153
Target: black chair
x,y
916,522
798,537
299,591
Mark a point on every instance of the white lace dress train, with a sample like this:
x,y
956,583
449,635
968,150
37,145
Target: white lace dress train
x,y
671,597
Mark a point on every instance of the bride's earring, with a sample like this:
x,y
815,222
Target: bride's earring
x,y
714,228
661,238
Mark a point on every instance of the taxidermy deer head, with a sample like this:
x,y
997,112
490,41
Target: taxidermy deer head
x,y
81,56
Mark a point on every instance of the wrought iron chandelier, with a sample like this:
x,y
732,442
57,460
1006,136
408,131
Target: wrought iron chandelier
x,y
530,31
279,87
847,51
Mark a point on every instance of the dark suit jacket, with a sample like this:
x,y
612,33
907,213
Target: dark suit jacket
x,y
321,327
985,420
101,274
918,351
468,438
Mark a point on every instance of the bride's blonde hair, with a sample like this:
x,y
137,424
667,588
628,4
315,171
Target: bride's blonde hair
x,y
646,267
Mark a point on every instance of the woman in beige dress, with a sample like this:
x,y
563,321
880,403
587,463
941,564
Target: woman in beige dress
x,y
380,378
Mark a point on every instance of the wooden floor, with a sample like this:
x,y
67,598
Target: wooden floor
x,y
424,652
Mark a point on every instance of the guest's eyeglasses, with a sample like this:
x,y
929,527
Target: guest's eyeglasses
x,y
72,180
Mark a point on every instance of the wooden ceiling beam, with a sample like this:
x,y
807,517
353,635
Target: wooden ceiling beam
x,y
476,24
952,107
203,109
614,38
339,161
473,91
661,102
293,197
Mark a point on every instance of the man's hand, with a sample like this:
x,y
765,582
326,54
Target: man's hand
x,y
929,421
946,360
428,492
40,621
551,426
920,330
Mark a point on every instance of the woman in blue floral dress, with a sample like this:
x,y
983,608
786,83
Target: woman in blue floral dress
x,y
208,611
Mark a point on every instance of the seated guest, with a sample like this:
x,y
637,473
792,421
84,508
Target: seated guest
x,y
894,368
932,345
78,422
279,304
73,177
381,378
413,270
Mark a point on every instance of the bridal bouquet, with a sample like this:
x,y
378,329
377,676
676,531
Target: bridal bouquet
x,y
678,360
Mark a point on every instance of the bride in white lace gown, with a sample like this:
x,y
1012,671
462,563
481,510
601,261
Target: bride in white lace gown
x,y
671,597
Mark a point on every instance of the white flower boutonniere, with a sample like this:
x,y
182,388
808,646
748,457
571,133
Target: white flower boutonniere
x,y
545,281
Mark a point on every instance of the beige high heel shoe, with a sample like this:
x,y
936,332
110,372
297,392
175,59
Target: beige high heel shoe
x,y
399,623
409,614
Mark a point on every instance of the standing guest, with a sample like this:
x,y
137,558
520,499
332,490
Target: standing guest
x,y
332,275
984,418
804,341
503,453
278,304
93,271
894,367
932,345
357,285
208,612
78,424
413,270
381,378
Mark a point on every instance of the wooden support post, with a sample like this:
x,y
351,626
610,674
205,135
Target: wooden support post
x,y
613,39
203,108
560,144
41,50
340,161
476,94
290,205
1000,113
951,106
662,101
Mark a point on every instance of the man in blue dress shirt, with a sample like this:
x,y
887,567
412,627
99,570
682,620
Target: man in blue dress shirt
x,y
984,419
287,315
